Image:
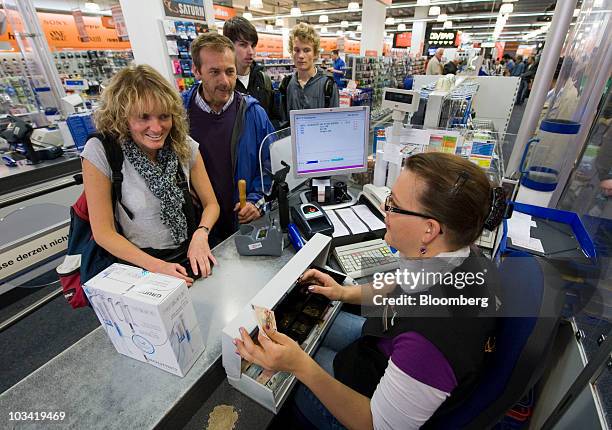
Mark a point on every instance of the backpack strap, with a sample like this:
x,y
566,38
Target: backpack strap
x,y
114,156
267,81
188,207
328,91
283,91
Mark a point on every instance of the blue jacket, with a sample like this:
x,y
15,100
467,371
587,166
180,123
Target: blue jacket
x,y
519,69
251,127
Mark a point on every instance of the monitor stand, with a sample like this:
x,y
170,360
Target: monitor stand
x,y
325,191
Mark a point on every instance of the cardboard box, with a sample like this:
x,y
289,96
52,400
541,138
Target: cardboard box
x,y
147,316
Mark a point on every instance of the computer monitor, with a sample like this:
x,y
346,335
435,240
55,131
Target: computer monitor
x,y
329,141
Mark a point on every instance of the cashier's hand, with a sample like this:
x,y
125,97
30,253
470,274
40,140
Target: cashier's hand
x,y
248,213
199,254
172,269
275,352
323,284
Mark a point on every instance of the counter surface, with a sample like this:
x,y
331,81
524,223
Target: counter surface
x,y
99,388
17,178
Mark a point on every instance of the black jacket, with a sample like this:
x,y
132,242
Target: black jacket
x,y
260,87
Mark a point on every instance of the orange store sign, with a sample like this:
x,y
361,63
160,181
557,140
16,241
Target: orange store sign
x,y
61,32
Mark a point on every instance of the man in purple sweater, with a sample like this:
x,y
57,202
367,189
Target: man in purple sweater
x,y
230,128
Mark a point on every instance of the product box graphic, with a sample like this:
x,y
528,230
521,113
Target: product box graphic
x,y
147,316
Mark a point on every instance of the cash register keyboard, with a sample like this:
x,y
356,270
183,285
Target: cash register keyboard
x,y
366,258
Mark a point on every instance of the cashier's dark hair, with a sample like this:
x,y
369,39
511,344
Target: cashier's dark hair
x,y
134,91
239,28
458,194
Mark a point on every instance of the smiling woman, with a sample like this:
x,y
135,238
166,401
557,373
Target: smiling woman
x,y
149,228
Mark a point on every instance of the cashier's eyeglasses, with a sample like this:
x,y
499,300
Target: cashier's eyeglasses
x,y
389,207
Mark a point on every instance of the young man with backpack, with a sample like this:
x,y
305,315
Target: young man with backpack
x,y
251,76
309,87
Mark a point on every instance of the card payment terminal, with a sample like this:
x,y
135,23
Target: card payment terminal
x,y
311,219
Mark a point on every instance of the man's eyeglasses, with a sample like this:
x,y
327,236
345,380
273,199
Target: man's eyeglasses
x,y
390,208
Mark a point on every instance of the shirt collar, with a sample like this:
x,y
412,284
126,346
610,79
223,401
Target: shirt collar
x,y
206,107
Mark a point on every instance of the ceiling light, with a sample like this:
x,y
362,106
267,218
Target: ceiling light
x,y
295,10
359,27
269,27
506,8
339,33
390,21
279,22
447,24
352,34
442,17
93,7
344,24
246,14
256,4
353,6
323,29
401,27
422,3
434,11
323,19
576,12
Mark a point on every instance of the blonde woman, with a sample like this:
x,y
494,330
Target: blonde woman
x,y
143,114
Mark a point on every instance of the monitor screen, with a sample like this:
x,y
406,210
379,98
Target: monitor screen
x,y
330,141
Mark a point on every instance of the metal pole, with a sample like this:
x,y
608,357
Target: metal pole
x,y
37,39
546,69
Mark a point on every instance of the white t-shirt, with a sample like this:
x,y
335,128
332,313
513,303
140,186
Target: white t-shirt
x,y
244,79
146,229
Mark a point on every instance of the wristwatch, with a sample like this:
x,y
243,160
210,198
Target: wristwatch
x,y
203,227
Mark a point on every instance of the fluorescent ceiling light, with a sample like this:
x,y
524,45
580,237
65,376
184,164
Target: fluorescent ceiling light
x,y
256,4
447,24
339,33
93,7
279,22
506,8
359,27
422,3
401,27
351,34
295,10
576,12
353,6
344,24
390,21
442,17
323,19
434,11
323,29
247,15
269,27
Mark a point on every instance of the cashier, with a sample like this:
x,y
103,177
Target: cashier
x,y
394,371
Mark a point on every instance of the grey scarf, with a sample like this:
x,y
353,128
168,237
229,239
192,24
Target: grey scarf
x,y
160,177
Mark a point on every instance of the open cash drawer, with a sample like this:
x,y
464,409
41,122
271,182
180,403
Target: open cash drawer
x,y
302,316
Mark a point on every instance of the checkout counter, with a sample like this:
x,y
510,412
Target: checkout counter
x,y
97,387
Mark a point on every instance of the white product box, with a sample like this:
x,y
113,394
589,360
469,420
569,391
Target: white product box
x,y
147,316
272,396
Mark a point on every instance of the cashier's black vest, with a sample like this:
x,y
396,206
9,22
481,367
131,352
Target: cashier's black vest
x,y
460,333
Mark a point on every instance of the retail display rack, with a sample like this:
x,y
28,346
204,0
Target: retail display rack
x,y
93,65
17,95
179,35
